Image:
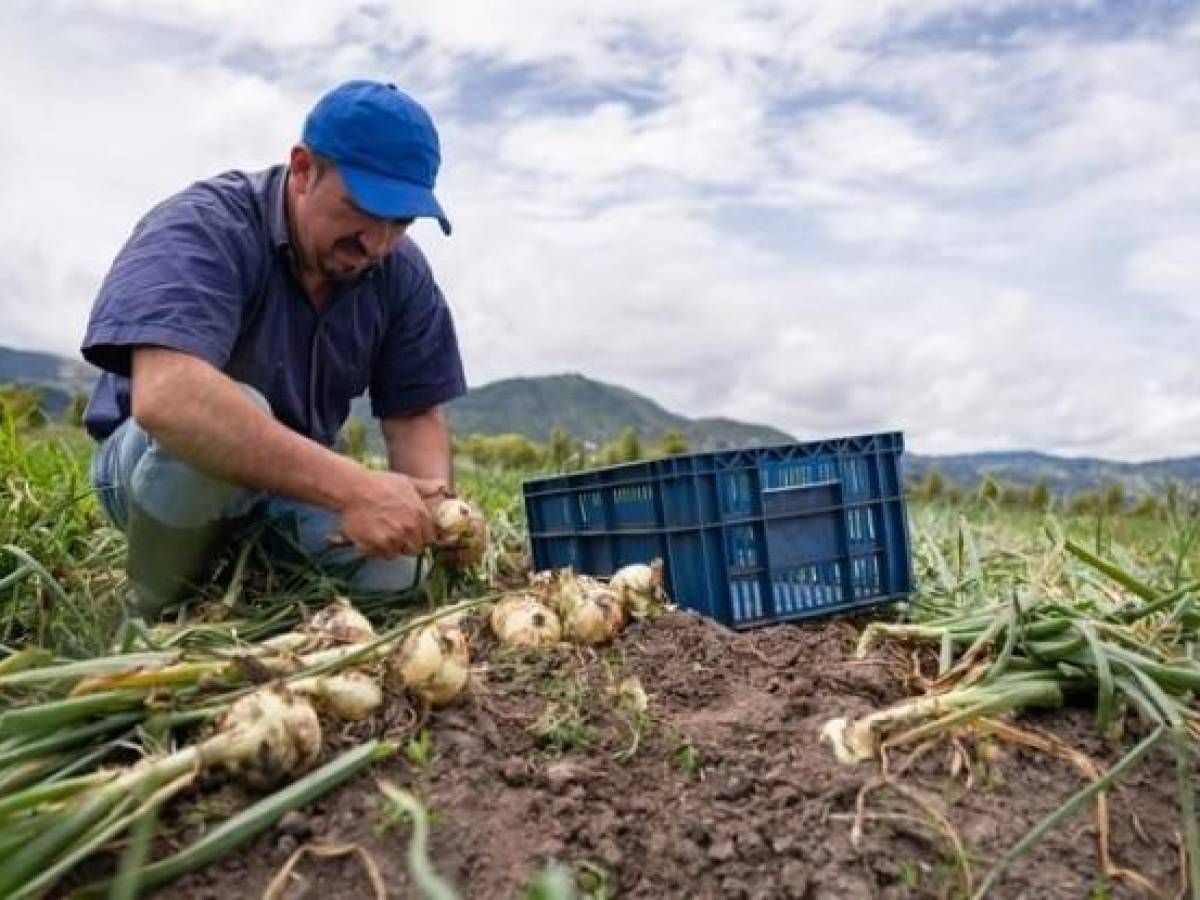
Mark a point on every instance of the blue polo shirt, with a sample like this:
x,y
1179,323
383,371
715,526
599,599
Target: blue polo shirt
x,y
210,272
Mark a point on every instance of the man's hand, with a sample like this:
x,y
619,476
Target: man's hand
x,y
390,518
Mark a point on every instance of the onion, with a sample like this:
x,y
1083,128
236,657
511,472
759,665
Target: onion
x,y
562,589
351,696
639,587
266,737
523,621
433,662
340,623
596,618
453,520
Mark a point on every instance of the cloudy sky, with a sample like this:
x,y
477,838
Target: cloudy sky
x,y
976,220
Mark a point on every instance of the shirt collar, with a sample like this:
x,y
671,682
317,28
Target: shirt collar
x,y
277,211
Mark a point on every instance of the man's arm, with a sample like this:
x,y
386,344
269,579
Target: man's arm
x,y
201,415
418,445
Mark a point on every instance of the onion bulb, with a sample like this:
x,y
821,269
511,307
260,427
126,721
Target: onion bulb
x,y
562,589
453,520
523,621
340,623
433,662
639,587
265,737
351,696
595,619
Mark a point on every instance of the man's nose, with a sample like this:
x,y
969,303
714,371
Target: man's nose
x,y
378,238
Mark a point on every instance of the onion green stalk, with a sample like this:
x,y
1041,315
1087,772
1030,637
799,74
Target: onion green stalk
x,y
251,822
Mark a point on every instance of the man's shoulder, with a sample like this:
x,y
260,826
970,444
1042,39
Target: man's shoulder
x,y
235,199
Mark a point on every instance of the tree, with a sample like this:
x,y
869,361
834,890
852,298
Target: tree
x,y
934,487
1147,507
1085,504
1040,497
1013,495
989,489
22,406
75,410
563,449
672,442
1114,499
630,444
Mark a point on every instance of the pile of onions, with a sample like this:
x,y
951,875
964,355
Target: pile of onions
x,y
433,662
522,620
590,612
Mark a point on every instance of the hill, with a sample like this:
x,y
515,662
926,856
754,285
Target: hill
x,y
1063,474
592,411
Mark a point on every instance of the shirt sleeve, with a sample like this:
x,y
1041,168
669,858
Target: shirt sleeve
x,y
181,281
419,365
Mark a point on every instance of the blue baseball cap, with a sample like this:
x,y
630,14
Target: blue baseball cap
x,y
383,144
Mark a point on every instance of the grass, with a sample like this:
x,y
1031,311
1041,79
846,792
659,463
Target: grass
x,y
61,580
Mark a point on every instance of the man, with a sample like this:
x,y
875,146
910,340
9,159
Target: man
x,y
236,325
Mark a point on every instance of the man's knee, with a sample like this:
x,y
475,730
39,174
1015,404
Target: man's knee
x,y
177,493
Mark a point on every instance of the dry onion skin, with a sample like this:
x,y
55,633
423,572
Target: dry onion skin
x,y
340,623
265,738
433,662
524,621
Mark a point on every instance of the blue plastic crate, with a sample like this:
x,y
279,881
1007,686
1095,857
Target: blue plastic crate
x,y
748,537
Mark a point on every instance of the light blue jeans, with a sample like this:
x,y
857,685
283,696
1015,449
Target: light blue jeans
x,y
130,465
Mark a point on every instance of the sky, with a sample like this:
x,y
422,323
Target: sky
x,y
974,220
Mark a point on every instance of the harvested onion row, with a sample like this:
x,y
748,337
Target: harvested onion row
x,y
264,738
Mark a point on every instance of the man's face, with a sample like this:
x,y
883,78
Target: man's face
x,y
335,236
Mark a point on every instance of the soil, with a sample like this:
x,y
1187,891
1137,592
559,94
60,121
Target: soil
x,y
726,793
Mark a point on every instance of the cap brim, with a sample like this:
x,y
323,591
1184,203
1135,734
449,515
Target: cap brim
x,y
390,198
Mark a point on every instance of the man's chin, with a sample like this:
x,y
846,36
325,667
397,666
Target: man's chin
x,y
344,274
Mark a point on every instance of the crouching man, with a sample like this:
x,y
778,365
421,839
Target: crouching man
x,y
233,330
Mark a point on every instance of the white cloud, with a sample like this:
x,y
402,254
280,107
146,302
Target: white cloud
x,y
827,216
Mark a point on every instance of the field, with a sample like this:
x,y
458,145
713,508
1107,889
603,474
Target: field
x,y
683,759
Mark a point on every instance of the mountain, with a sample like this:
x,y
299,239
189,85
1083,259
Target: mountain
x,y
592,411
1067,475
598,412
56,378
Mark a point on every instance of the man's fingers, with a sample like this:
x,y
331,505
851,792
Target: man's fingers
x,y
430,489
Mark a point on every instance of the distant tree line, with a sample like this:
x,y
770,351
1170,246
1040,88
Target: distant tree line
x,y
563,452
23,407
1109,500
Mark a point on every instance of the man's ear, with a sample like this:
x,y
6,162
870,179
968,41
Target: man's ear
x,y
302,168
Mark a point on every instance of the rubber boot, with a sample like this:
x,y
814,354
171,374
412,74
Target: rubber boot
x,y
166,562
